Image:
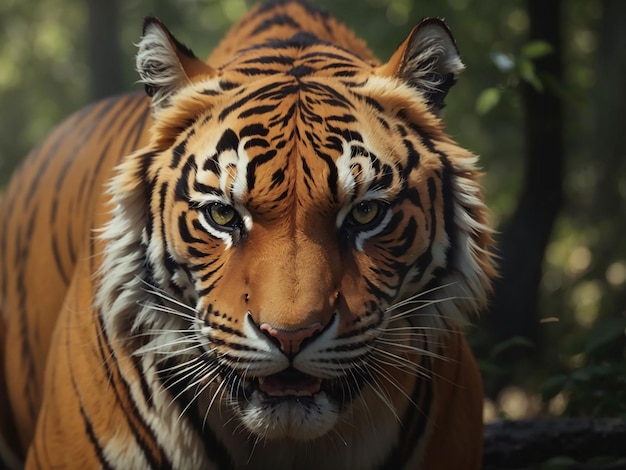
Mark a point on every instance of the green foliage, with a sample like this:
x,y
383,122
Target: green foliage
x,y
515,68
598,386
559,463
488,99
492,364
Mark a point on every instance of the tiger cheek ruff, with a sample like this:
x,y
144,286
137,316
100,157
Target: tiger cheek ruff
x,y
266,262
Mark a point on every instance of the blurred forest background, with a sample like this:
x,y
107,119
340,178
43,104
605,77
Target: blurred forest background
x,y
542,102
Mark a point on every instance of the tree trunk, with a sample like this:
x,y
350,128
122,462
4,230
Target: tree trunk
x,y
105,55
525,237
608,150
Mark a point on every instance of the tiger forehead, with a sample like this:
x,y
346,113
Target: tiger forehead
x,y
302,147
301,56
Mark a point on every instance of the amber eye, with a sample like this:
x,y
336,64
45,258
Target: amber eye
x,y
224,215
365,212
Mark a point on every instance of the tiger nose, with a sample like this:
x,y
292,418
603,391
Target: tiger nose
x,y
290,341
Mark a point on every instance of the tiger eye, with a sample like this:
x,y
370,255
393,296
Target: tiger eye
x,y
223,214
365,212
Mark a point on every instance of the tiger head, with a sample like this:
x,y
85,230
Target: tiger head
x,y
300,230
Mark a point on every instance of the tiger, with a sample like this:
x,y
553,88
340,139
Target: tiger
x,y
265,260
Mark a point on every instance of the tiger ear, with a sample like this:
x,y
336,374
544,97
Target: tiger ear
x,y
165,65
428,60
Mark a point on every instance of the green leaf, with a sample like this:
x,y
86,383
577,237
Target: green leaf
x,y
488,368
605,333
553,386
487,100
558,463
527,72
582,375
536,49
509,343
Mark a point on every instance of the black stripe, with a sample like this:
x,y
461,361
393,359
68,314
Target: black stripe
x,y
214,449
332,177
253,71
256,142
278,177
120,386
276,20
408,235
414,422
178,153
255,163
185,233
424,260
93,439
181,191
375,291
57,260
253,129
228,141
448,210
207,290
270,59
22,243
195,253
261,109
250,97
145,388
206,276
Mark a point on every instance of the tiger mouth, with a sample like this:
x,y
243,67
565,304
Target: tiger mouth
x,y
291,384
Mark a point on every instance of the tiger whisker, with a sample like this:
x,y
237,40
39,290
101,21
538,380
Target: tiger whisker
x,y
385,375
411,312
152,289
191,375
393,330
403,365
222,388
423,303
413,349
172,311
209,381
413,298
159,348
183,368
379,391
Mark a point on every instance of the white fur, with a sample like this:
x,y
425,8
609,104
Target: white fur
x,y
430,41
158,66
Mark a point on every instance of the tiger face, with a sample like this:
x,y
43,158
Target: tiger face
x,y
310,229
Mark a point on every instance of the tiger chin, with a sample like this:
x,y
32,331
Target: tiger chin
x,y
266,260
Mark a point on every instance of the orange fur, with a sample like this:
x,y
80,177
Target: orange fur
x,y
80,380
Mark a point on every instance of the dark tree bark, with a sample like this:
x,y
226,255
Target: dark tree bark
x,y
525,237
104,51
529,443
608,150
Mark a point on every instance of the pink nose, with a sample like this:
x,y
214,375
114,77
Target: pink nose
x,y
290,341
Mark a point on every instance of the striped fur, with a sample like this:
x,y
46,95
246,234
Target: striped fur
x,y
267,264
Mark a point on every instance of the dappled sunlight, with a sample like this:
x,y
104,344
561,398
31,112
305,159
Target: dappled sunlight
x,y
616,273
586,302
515,403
